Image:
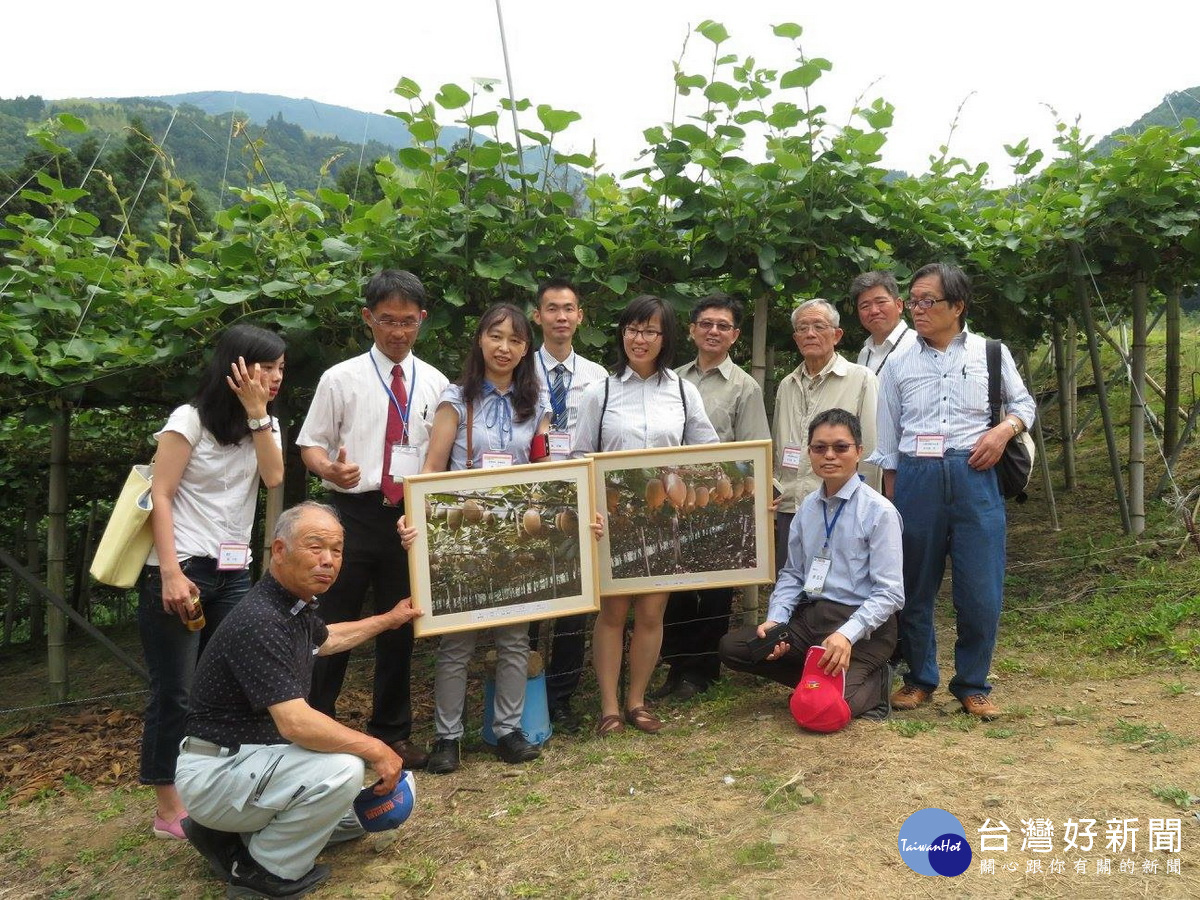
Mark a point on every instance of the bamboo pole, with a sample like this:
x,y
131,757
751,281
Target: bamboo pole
x,y
1089,328
758,341
33,550
1039,440
1149,379
1064,405
56,554
1171,394
1137,410
1073,363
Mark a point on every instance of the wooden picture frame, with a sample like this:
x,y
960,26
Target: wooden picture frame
x,y
501,546
706,523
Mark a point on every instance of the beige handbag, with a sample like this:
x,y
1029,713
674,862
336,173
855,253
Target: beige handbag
x,y
127,538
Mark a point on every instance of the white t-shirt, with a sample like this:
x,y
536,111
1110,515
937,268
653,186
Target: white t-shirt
x,y
217,491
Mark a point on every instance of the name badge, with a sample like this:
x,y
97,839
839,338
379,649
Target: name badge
x,y
495,459
792,457
818,571
933,445
403,460
232,556
560,443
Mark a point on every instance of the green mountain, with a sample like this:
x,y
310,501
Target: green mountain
x,y
1174,109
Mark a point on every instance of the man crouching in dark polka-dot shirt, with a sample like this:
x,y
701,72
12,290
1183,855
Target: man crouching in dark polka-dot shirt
x,y
268,781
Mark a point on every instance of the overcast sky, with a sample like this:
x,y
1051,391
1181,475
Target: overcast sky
x,y
612,61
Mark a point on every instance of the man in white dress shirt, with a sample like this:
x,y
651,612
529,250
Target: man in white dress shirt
x,y
876,296
563,374
368,427
938,451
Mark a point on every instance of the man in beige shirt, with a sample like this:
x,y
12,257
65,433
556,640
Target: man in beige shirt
x,y
823,380
696,620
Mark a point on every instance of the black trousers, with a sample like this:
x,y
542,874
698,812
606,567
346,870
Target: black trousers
x,y
564,668
373,559
816,621
693,625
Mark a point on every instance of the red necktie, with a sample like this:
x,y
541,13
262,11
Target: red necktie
x,y
393,491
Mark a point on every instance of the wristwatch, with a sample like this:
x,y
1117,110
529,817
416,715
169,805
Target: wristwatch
x,y
1016,426
259,424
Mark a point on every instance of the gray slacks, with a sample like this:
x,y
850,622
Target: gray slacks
x,y
450,679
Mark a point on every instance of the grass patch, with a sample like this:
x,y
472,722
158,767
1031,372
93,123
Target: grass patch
x,y
760,855
1175,796
786,795
1154,738
1175,689
910,728
999,734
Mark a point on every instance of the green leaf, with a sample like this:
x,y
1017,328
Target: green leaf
x,y
407,88
618,284
655,135
494,268
685,83
424,131
234,256
714,31
72,123
57,304
414,157
489,119
586,256
451,96
556,120
275,288
689,134
338,250
720,92
231,298
788,30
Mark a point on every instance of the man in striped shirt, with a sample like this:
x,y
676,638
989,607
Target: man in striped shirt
x,y
938,450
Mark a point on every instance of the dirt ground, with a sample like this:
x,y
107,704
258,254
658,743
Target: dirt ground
x,y
732,801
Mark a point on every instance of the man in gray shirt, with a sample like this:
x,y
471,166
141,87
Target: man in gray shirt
x,y
695,620
876,296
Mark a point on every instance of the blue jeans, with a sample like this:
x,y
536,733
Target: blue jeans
x,y
171,652
948,507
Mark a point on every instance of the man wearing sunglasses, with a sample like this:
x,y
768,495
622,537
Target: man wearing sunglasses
x,y
842,583
368,427
696,620
938,450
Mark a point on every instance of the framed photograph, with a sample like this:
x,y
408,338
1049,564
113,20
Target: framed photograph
x,y
685,517
499,546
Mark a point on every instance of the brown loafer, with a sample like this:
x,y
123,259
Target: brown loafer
x,y
414,757
910,697
980,705
643,720
609,725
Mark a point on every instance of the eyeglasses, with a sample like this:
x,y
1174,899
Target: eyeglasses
x,y
710,325
814,327
923,302
646,334
395,324
840,448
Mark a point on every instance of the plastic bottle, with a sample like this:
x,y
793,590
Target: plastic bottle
x,y
195,621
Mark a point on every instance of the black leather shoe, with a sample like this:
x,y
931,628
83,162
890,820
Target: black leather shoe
x,y
220,848
686,690
514,748
564,718
667,688
445,757
414,757
249,879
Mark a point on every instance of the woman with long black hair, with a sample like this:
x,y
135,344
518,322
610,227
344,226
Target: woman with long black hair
x,y
212,454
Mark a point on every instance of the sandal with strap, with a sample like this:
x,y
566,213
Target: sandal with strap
x,y
643,720
609,725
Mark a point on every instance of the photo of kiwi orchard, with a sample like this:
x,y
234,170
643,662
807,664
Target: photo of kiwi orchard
x,y
501,545
498,547
689,522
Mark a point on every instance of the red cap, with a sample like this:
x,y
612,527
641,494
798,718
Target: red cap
x,y
819,701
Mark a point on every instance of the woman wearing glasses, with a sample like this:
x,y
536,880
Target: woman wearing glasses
x,y
642,405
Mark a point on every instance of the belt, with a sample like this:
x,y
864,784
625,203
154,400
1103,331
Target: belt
x,y
206,748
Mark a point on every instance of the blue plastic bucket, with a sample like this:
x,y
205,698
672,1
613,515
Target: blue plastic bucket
x,y
535,720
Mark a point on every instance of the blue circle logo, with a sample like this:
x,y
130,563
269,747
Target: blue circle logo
x,y
933,842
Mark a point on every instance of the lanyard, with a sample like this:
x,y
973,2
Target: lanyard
x,y
568,376
829,526
403,413
892,348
